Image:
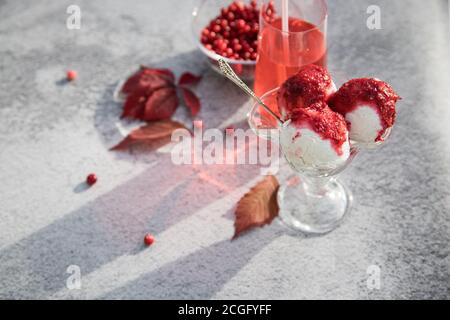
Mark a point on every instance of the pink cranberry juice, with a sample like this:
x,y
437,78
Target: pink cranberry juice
x,y
306,45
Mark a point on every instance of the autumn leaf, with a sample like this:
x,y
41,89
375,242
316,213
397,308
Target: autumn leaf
x,y
191,101
188,78
151,94
146,78
152,132
164,72
135,104
161,104
258,207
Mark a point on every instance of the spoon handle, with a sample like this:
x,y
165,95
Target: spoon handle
x,y
231,75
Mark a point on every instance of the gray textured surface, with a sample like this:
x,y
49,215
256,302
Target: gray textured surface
x,y
52,134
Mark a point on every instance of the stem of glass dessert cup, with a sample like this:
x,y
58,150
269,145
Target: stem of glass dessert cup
x,y
316,186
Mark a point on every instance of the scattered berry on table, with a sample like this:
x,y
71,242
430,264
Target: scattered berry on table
x,y
71,75
149,239
91,179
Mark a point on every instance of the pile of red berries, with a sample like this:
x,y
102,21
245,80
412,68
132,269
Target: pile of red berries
x,y
234,33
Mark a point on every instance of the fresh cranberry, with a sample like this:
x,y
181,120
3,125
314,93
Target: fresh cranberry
x,y
240,24
149,239
220,44
91,179
237,47
233,33
212,35
71,75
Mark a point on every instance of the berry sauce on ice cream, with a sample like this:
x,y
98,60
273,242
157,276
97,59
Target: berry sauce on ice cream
x,y
329,125
368,106
311,84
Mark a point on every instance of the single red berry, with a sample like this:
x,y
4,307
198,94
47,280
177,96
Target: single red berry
x,y
212,35
217,28
71,75
149,239
237,47
220,45
240,24
205,32
91,179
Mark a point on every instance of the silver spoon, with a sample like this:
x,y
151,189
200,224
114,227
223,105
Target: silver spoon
x,y
226,70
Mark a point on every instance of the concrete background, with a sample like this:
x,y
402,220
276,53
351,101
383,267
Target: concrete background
x,y
52,134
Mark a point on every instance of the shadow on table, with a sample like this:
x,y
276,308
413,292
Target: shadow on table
x,y
111,226
201,274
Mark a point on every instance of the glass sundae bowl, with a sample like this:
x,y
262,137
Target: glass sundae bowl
x,y
312,200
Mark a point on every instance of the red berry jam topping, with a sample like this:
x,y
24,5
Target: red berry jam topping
x,y
233,34
311,84
319,118
371,92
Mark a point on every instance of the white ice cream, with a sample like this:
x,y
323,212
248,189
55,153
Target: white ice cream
x,y
305,149
365,124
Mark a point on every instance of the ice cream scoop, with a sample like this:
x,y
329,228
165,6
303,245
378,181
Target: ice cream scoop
x,y
368,106
311,84
315,137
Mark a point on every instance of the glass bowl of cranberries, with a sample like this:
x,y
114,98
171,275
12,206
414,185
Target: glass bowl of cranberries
x,y
228,30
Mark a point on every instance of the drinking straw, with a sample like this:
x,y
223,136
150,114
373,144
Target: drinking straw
x,y
285,29
285,15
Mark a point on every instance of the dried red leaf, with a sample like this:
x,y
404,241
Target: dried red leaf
x,y
258,207
163,72
135,104
146,80
188,78
161,104
191,101
153,132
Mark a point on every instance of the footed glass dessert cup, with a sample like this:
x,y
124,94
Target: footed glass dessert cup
x,y
312,200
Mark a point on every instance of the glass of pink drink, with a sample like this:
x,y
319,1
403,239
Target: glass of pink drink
x,y
280,53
